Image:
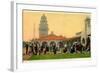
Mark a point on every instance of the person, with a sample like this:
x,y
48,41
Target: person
x,y
36,49
65,48
51,47
45,51
54,48
39,48
88,44
32,48
26,48
47,48
72,49
79,47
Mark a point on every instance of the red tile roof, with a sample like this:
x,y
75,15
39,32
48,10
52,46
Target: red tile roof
x,y
53,37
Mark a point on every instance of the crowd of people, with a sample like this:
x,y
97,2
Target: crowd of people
x,y
37,49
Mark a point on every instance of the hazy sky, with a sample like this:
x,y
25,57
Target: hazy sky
x,y
61,23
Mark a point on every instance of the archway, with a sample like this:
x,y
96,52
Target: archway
x,y
51,45
45,45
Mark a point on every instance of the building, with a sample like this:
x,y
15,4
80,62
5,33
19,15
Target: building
x,y
52,38
86,33
43,26
81,36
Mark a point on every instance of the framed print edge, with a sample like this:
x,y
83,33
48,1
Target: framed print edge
x,y
13,37
17,63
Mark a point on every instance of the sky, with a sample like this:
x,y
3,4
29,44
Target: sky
x,y
66,24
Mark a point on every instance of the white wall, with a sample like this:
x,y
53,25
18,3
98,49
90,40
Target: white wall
x,y
5,35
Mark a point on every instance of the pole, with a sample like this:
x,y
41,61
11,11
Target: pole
x,y
34,31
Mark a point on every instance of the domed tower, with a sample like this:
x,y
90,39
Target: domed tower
x,y
43,26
